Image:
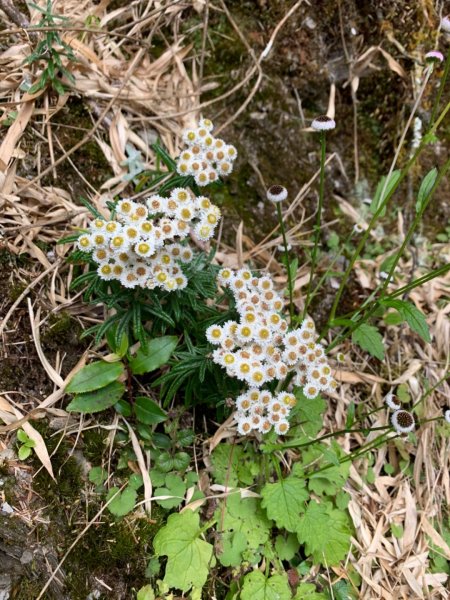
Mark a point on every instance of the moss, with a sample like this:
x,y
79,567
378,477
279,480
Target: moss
x,y
27,588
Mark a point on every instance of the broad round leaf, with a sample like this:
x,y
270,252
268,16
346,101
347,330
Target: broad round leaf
x,y
94,376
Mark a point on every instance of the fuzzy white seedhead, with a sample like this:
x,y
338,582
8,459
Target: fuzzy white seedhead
x,y
323,123
277,193
403,421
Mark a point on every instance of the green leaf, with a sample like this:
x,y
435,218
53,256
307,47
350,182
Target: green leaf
x,y
176,487
148,412
393,318
309,412
22,436
97,475
123,408
135,482
286,548
24,452
397,530
164,462
185,437
343,591
284,501
158,353
181,461
242,515
307,591
257,587
123,503
412,315
368,338
325,532
425,189
146,593
94,376
189,558
98,400
377,200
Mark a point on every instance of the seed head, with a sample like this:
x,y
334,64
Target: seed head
x,y
277,193
323,123
402,421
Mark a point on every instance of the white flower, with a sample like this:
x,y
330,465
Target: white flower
x,y
447,415
389,400
403,421
323,123
277,193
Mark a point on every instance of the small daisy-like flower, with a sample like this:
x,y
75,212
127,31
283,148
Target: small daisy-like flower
x,y
282,427
180,195
358,228
84,243
310,391
323,123
214,334
190,136
206,124
184,167
128,279
244,425
277,193
447,415
125,207
145,229
243,402
202,178
101,254
224,167
185,212
389,400
402,421
98,225
144,249
203,231
186,255
434,56
105,271
155,204
181,281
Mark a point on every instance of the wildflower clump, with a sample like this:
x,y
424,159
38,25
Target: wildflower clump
x,y
260,348
206,157
144,245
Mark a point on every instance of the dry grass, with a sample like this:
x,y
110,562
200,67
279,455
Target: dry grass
x,y
134,99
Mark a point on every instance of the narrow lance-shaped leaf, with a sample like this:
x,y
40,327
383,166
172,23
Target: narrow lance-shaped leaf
x,y
378,199
425,189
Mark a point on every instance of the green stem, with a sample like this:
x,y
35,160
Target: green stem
x,y
387,197
318,220
288,264
376,304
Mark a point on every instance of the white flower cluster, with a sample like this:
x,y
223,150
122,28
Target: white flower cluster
x,y
260,410
260,348
140,247
206,157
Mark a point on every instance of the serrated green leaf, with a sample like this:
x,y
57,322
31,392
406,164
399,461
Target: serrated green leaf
x,y
325,532
258,587
286,548
98,400
377,200
307,591
369,338
97,475
146,593
246,516
158,353
189,558
284,501
185,437
176,487
412,315
181,461
164,462
136,481
148,412
94,376
425,189
123,503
